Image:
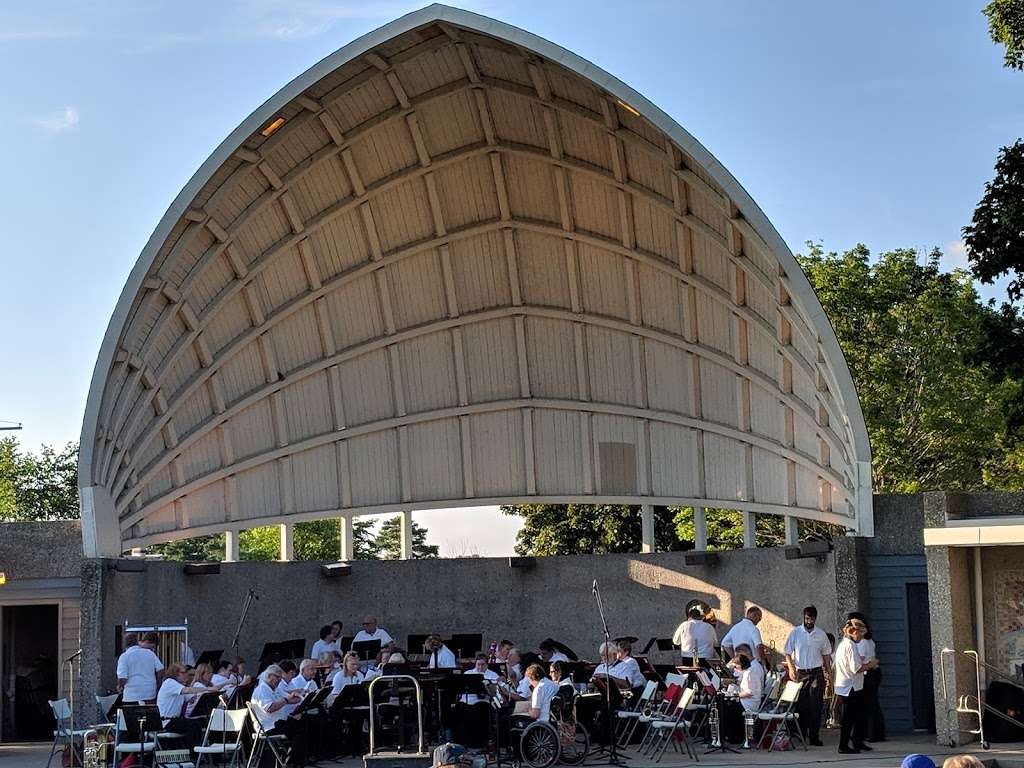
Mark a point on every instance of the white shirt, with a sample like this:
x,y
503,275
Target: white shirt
x,y
629,669
378,634
265,696
324,646
541,698
866,649
807,648
170,700
489,676
442,658
301,684
848,664
523,689
227,682
752,682
743,632
695,634
341,679
138,666
193,698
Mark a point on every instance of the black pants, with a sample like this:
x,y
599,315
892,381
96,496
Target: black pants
x,y
296,733
810,702
874,721
851,718
190,728
472,724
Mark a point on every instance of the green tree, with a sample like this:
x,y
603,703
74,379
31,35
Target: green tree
x,y
577,529
995,236
389,540
1006,28
914,339
38,487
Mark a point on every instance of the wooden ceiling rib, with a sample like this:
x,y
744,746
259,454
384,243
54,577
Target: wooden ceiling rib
x,y
455,267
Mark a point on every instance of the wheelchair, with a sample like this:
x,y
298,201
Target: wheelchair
x,y
560,740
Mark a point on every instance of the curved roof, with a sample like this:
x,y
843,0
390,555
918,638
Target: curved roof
x,y
454,264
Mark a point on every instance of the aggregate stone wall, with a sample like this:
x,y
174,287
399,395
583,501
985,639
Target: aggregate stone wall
x,y
643,595
41,550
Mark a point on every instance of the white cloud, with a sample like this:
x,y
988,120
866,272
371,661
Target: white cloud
x,y
954,256
58,122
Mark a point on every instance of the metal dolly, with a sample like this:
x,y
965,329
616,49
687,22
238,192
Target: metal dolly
x,y
968,704
377,757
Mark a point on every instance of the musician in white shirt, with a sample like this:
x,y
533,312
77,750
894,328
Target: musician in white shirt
x,y
326,644
272,707
849,685
441,656
138,670
548,652
203,678
305,681
629,668
371,631
543,691
471,711
745,632
172,701
695,638
349,674
809,658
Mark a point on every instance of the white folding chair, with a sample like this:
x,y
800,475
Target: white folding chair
x,y
670,729
631,717
661,711
261,740
64,736
781,719
141,748
105,704
223,736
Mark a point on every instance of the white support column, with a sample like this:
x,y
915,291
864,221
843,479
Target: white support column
x,y
231,546
700,529
749,530
792,530
136,552
348,542
406,537
647,528
287,543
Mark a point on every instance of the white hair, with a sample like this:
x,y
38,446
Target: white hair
x,y
607,649
306,664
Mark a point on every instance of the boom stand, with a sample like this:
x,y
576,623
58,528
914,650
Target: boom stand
x,y
250,597
613,755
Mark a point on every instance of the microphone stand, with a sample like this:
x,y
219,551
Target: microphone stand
x,y
70,661
250,597
613,755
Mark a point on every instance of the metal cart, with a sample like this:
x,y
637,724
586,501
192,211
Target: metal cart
x,y
973,704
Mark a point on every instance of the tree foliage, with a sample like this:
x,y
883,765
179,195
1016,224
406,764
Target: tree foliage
x,y
576,529
917,344
1006,28
41,486
995,236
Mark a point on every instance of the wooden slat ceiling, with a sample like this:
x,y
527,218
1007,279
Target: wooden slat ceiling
x,y
461,274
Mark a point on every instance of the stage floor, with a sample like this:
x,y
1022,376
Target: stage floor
x,y
885,755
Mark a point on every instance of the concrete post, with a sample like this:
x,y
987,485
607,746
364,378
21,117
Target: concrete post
x,y
700,529
231,546
647,528
348,542
406,538
136,552
749,530
287,543
792,530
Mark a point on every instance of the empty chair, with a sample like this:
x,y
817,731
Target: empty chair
x,y
673,729
630,718
223,736
63,736
781,721
121,747
106,704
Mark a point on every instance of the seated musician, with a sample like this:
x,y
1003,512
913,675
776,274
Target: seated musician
x,y
745,694
202,677
326,644
629,669
351,718
440,655
288,673
543,691
501,651
549,653
172,700
513,666
274,703
472,709
305,681
371,631
559,673
223,677
349,674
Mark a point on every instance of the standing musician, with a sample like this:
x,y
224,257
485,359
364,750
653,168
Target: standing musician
x,y
138,671
850,669
809,659
745,632
695,638
441,656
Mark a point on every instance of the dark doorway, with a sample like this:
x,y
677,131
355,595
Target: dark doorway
x,y
30,671
919,641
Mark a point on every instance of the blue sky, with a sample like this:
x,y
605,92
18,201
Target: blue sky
x,y
874,122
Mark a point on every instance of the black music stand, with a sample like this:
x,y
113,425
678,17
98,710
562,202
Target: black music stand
x,y
205,704
141,720
242,694
366,650
666,644
466,646
647,648
346,643
210,657
311,700
415,643
293,649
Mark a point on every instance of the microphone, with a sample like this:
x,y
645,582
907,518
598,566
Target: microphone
x,y
593,589
74,655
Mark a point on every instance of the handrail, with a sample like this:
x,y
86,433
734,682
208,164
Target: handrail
x,y
419,708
